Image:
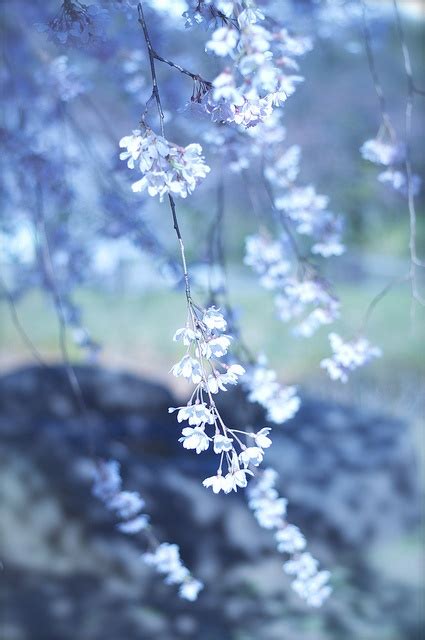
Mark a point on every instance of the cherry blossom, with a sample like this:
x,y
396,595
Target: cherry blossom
x,y
166,167
270,511
348,356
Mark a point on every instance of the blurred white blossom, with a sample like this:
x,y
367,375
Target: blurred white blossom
x,y
348,356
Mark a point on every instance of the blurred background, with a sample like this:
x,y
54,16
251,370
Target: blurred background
x,y
351,462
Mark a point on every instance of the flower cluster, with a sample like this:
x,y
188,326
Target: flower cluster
x,y
280,402
380,152
65,79
270,511
348,356
391,155
166,560
76,25
301,206
263,72
307,210
166,167
296,291
134,80
128,505
204,365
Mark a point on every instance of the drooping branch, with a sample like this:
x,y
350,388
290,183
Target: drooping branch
x,y
156,96
411,90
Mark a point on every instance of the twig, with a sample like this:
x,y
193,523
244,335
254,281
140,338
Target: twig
x,y
374,73
379,297
19,327
414,261
156,96
411,90
48,268
281,217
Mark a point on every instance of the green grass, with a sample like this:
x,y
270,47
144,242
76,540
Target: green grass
x,y
138,328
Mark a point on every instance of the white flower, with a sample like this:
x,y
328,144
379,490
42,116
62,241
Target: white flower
x,y
261,438
270,513
224,88
177,574
236,478
251,112
380,152
304,566
216,347
188,368
166,167
135,525
217,482
107,479
190,588
185,334
126,504
133,145
348,356
195,414
223,41
217,382
249,16
281,402
290,539
222,443
195,438
268,259
213,319
252,455
165,558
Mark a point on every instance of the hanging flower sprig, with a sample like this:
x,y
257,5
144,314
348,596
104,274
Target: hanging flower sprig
x,y
166,167
270,512
127,506
207,365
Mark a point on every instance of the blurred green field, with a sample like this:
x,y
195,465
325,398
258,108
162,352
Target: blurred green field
x,y
136,330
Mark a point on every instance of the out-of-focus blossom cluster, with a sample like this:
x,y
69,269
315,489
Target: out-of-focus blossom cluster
x,y
270,511
392,156
133,66
204,364
166,167
166,560
65,79
263,72
303,208
127,505
348,356
76,25
280,402
305,297
306,224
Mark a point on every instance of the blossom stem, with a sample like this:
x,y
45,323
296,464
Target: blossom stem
x,y
157,98
414,262
18,325
45,257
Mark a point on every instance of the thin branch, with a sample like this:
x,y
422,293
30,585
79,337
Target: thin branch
x,y
195,76
48,268
19,327
284,222
411,90
373,303
414,261
374,73
156,96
